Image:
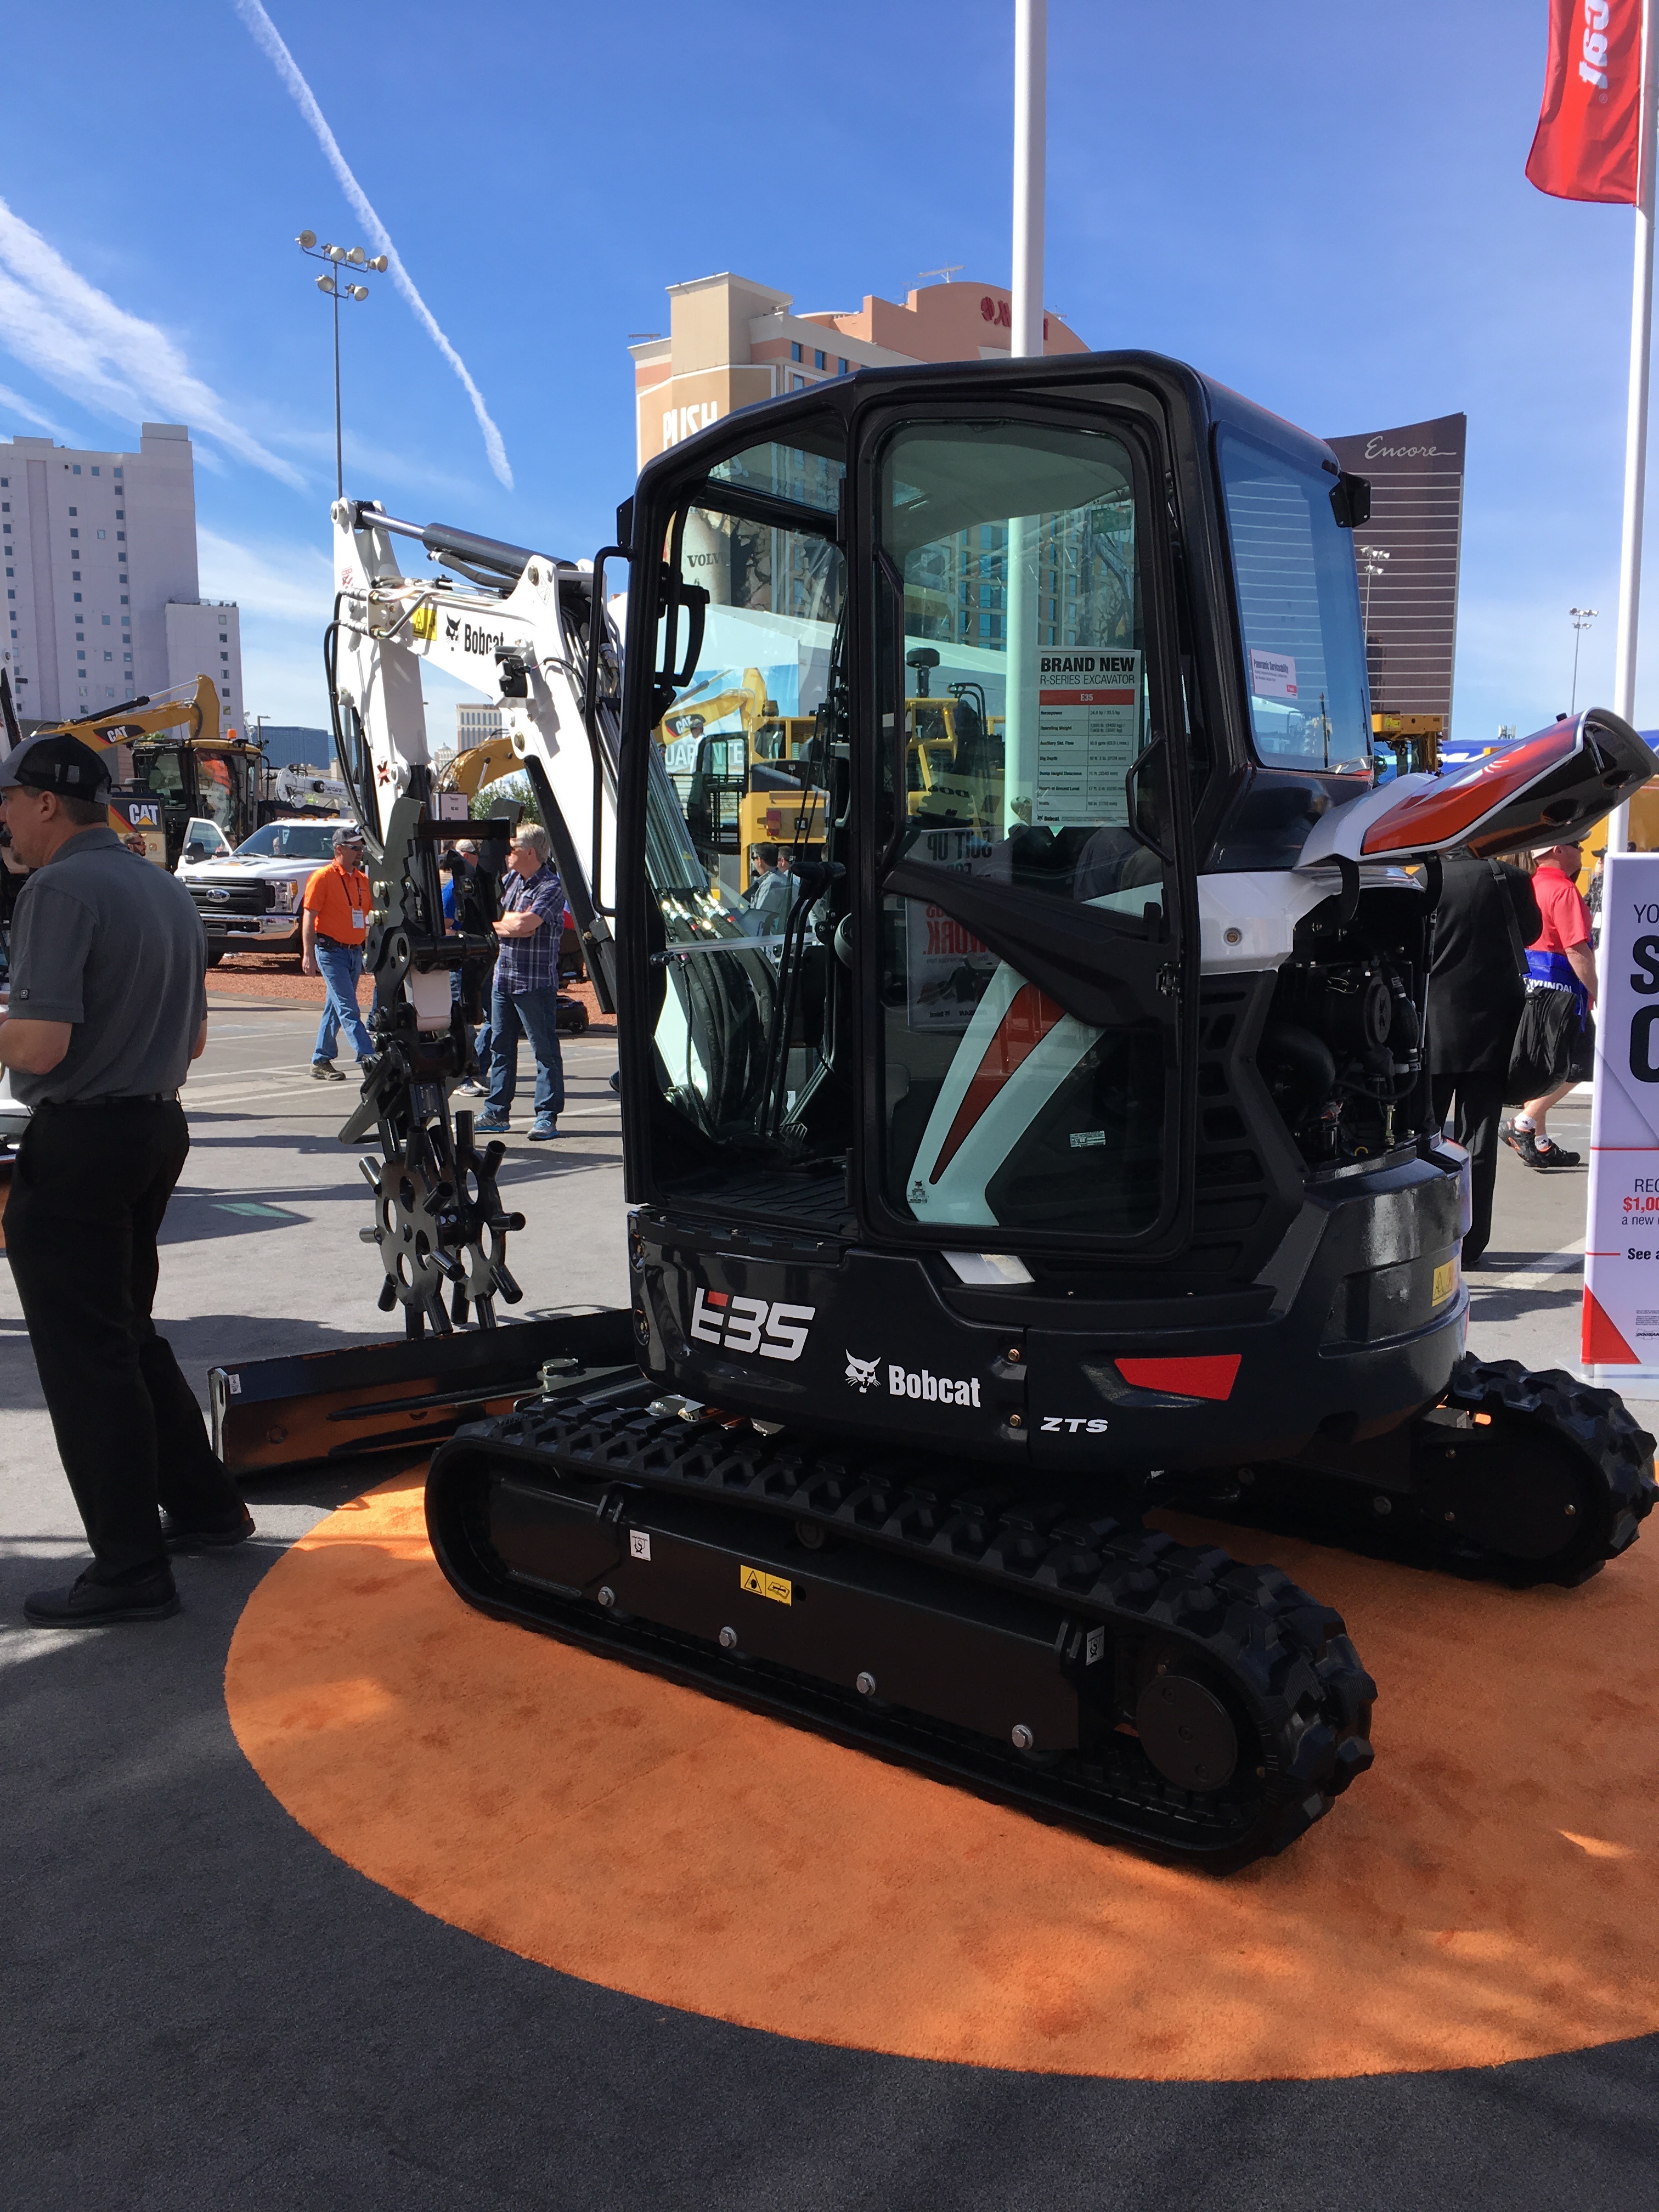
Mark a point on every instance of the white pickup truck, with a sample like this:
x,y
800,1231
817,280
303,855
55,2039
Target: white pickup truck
x,y
249,899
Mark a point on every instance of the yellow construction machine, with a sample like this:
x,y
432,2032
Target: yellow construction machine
x,y
1413,739
172,767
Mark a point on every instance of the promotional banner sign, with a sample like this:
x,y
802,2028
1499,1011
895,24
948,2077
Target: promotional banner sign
x,y
1586,147
1621,1256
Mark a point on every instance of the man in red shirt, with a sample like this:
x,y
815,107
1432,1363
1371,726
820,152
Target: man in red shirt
x,y
337,904
1562,955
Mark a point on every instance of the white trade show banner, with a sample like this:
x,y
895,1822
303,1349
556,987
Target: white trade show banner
x,y
1620,1343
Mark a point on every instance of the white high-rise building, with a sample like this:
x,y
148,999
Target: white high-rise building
x,y
475,726
103,602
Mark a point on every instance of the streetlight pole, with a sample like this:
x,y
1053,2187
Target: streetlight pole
x,y
1581,618
352,257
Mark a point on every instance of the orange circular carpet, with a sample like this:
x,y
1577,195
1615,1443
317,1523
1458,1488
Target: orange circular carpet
x,y
1486,1894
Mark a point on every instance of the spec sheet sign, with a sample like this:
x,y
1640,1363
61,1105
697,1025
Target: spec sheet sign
x,y
1088,735
1621,1257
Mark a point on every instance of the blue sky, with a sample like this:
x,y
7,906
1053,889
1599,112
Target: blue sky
x,y
1325,209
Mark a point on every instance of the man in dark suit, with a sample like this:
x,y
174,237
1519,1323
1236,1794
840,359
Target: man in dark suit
x,y
1486,914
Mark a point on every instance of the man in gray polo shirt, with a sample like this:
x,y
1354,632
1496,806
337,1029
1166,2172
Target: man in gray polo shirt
x,y
108,1011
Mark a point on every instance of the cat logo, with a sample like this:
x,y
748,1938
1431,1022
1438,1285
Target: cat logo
x,y
862,1374
451,628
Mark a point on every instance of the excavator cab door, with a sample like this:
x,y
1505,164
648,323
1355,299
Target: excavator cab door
x,y
968,1018
1027,941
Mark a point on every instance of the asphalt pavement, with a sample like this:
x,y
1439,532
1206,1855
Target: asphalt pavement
x,y
205,2007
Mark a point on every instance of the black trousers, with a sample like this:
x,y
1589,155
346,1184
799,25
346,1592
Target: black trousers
x,y
1479,1111
88,1190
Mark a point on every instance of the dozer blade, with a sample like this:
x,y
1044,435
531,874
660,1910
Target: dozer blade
x,y
1079,1666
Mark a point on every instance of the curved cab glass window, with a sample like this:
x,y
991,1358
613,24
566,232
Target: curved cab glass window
x,y
1026,707
742,756
1298,607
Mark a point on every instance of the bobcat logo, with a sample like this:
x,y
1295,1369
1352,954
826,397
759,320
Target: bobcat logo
x,y
451,628
862,1373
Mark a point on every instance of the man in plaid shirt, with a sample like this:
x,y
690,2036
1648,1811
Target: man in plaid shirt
x,y
525,998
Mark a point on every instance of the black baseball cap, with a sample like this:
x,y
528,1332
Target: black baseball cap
x,y
347,834
60,763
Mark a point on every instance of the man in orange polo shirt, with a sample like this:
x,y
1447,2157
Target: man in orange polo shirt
x,y
333,928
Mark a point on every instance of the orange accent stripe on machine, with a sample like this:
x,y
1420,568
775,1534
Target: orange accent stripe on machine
x,y
1028,1020
1209,1375
1457,802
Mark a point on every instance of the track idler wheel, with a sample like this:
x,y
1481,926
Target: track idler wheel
x,y
1187,1732
1536,1477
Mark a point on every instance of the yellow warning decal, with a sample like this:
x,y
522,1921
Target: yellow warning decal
x,y
424,622
757,1580
1445,1281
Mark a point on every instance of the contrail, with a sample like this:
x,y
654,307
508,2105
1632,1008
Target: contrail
x,y
268,36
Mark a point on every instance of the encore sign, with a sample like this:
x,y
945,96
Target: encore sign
x,y
1621,1258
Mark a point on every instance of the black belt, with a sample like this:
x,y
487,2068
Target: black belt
x,y
335,943
123,1098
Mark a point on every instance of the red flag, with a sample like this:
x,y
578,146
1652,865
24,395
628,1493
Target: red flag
x,y
1586,144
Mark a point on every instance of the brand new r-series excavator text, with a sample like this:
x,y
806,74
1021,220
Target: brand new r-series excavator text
x,y
1072,1153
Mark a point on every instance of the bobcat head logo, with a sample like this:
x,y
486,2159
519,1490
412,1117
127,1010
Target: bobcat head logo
x,y
861,1373
451,627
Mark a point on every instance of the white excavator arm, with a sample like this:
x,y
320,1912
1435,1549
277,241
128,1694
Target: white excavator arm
x,y
532,632
517,626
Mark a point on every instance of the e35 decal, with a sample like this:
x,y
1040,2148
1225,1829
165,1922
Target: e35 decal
x,y
735,1324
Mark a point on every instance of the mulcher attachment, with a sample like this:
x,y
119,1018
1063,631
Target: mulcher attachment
x,y
1080,1667
440,1221
1520,1476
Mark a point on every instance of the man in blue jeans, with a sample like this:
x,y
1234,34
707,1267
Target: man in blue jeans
x,y
334,925
525,998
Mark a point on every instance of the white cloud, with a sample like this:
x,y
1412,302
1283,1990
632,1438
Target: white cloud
x,y
266,35
283,581
371,469
77,339
13,403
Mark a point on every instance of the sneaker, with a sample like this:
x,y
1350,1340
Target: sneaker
x,y
540,1132
1522,1141
1549,1154
488,1125
89,1604
324,1071
472,1090
179,1538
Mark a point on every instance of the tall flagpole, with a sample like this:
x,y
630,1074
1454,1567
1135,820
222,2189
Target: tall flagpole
x,y
1031,183
1031,165
1636,426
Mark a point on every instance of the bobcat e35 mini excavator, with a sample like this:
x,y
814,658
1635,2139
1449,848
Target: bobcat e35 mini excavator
x,y
1068,1149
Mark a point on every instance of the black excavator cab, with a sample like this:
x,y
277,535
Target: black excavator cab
x,y
1072,1151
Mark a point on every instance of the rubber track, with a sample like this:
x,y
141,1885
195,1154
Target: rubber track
x,y
1601,1430
1287,1658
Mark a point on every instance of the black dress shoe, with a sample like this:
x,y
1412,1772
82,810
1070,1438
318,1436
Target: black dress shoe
x,y
179,1538
87,1604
